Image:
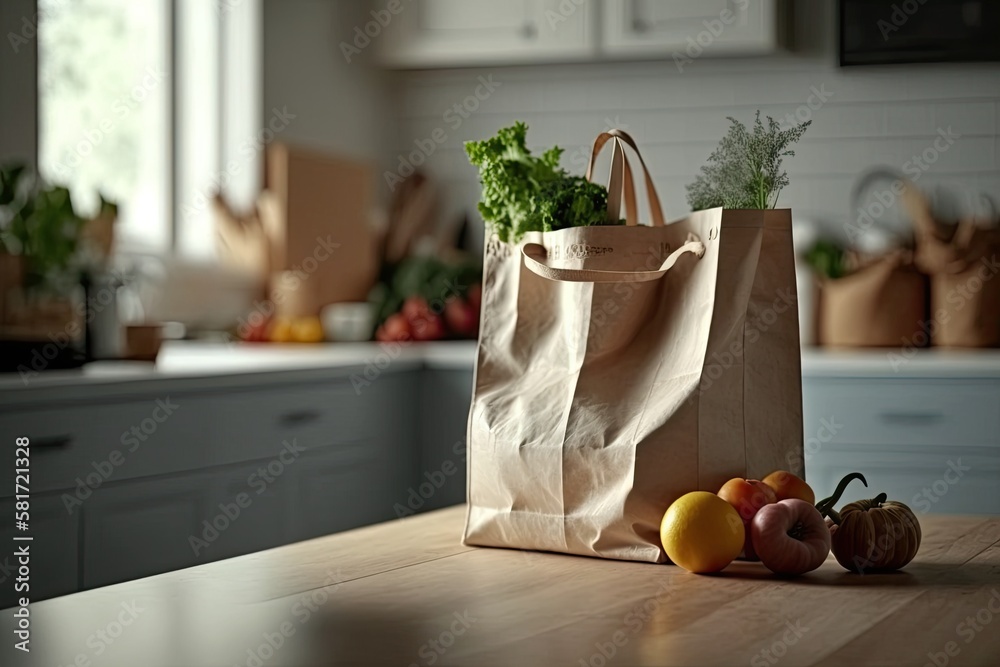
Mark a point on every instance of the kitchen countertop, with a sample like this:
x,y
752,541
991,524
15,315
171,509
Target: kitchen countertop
x,y
247,362
217,365
900,363
408,593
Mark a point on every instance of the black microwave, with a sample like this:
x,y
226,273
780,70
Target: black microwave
x,y
877,32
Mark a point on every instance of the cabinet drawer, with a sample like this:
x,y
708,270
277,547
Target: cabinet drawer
x,y
445,399
54,551
942,480
143,528
333,492
448,33
255,424
897,412
656,28
262,500
98,444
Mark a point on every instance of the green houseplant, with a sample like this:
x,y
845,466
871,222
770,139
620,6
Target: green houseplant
x,y
49,254
39,225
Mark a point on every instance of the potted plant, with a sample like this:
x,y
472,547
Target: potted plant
x,y
47,251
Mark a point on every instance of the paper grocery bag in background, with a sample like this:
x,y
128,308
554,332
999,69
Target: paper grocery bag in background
x,y
618,370
961,263
883,303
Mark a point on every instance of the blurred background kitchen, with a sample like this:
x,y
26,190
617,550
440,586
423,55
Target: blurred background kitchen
x,y
240,258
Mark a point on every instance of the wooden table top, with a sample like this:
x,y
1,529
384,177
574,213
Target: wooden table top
x,y
408,593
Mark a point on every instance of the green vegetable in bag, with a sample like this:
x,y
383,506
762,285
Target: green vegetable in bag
x,y
745,171
523,193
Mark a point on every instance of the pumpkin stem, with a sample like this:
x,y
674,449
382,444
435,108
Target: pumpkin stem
x,y
825,506
878,500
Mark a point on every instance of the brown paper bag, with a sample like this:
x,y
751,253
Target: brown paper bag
x,y
881,304
966,301
620,367
962,262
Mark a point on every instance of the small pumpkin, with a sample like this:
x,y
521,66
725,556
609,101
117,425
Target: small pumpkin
x,y
876,535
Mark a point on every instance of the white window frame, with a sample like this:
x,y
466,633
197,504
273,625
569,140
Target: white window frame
x,y
214,114
218,113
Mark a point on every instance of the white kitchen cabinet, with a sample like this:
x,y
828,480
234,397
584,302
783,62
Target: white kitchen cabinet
x,y
925,431
442,33
689,29
935,480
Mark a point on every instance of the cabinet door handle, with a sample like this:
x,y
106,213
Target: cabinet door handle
x,y
299,418
914,418
52,442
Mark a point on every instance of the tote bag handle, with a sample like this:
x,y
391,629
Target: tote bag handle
x,y
621,179
535,257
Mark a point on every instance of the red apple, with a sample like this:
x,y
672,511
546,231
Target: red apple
x,y
395,329
255,332
425,324
475,296
427,328
461,317
415,307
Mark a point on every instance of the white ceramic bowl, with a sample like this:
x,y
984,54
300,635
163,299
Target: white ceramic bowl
x,y
348,322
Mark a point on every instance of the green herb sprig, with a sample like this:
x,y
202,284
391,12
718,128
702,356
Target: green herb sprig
x,y
745,170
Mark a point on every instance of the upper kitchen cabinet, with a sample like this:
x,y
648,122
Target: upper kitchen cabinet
x,y
456,33
690,28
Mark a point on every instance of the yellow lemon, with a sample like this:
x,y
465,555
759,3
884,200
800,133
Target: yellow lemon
x,y
701,532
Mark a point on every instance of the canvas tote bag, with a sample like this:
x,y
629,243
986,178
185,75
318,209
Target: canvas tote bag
x,y
620,367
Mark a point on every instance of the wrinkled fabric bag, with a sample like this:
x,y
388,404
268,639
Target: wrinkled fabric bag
x,y
620,367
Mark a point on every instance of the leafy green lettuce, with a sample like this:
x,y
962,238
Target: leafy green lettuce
x,y
523,193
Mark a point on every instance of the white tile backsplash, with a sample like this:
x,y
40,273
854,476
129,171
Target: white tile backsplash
x,y
875,116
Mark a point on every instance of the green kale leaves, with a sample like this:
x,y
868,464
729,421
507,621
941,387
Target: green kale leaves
x,y
523,193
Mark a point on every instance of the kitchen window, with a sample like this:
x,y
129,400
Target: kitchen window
x,y
132,97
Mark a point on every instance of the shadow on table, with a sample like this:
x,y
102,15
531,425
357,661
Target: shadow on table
x,y
385,636
914,574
